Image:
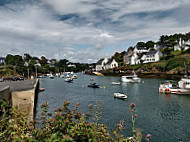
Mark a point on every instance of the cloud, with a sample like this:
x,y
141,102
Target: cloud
x,y
84,30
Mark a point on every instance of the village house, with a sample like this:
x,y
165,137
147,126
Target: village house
x,y
182,45
152,56
111,64
2,60
135,59
105,63
100,65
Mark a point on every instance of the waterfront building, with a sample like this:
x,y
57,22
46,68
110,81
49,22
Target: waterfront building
x,y
2,60
100,65
152,56
182,45
105,63
111,64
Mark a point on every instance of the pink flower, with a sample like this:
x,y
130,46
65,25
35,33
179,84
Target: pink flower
x,y
135,115
132,105
148,136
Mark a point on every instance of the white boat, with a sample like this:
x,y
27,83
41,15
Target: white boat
x,y
119,95
184,82
51,76
115,83
131,78
173,88
68,79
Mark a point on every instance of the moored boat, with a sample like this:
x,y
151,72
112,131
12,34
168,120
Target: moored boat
x,y
74,76
51,76
173,88
115,83
68,80
94,85
131,78
120,95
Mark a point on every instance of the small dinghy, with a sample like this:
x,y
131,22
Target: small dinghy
x,y
115,83
94,85
68,80
120,95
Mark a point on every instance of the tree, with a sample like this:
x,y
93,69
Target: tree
x,y
43,61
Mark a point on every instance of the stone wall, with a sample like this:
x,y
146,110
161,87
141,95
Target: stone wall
x,y
5,93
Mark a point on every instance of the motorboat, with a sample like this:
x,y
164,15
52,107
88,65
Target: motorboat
x,y
131,78
74,76
115,83
185,80
51,76
172,87
68,79
120,95
94,85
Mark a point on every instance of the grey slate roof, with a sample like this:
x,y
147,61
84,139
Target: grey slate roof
x,y
109,61
151,52
99,62
142,48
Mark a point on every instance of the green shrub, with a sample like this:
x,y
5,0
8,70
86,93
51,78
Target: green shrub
x,y
65,125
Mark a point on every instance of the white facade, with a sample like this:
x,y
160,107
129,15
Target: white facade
x,y
135,59
111,64
185,44
152,56
104,64
2,60
101,64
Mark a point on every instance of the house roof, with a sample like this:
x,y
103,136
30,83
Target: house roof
x,y
151,52
99,62
142,48
109,61
2,58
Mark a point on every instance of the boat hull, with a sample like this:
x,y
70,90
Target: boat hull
x,y
120,96
94,86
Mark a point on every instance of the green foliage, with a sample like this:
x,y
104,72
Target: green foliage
x,y
149,44
65,125
175,62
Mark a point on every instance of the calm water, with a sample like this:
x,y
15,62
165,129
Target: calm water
x,y
165,117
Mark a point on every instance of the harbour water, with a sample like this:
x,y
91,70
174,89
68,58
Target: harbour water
x,y
165,117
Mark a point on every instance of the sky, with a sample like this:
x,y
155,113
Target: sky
x,y
86,30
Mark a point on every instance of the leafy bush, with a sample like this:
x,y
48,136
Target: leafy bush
x,y
65,125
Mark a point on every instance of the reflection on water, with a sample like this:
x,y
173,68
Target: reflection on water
x,y
165,117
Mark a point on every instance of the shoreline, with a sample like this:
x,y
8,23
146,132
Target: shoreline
x,y
159,75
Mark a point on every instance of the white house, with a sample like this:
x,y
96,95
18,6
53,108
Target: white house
x,y
2,60
141,49
152,56
100,65
182,44
135,59
111,64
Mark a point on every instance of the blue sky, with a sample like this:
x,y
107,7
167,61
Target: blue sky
x,y
86,30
